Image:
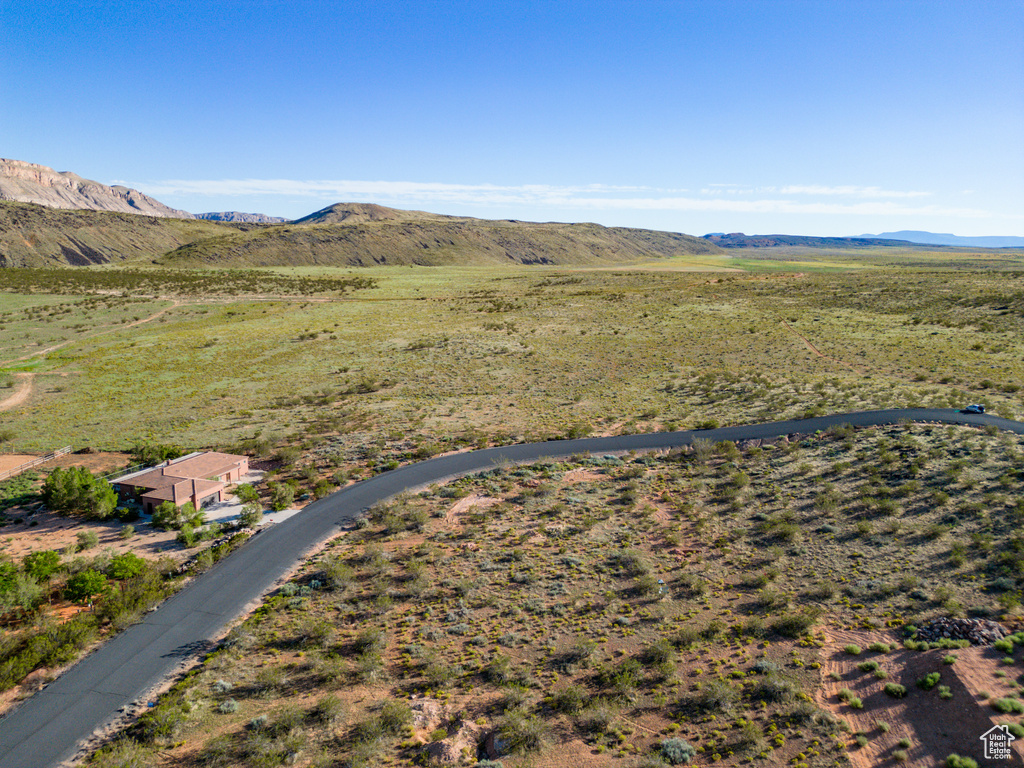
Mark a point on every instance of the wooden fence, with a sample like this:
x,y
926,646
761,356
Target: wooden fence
x,y
34,463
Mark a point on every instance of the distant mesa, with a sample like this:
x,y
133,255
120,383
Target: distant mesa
x,y
30,183
238,216
936,238
740,240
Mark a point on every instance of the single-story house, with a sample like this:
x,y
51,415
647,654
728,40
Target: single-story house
x,y
199,477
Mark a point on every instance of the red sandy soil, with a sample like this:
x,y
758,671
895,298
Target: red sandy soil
x,y
935,727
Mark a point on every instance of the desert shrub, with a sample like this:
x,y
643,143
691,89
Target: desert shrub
x,y
1003,645
123,753
575,655
498,670
631,561
852,649
394,716
956,761
895,690
691,584
1007,706
765,667
227,707
522,733
686,637
569,700
41,565
85,585
676,751
18,591
928,682
657,652
714,697
796,624
772,599
774,688
868,666
87,539
281,496
370,641
597,717
251,515
621,679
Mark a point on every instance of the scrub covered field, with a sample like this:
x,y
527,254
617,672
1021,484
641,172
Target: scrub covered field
x,y
378,357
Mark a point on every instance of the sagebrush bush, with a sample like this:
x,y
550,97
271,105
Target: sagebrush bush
x,y
677,752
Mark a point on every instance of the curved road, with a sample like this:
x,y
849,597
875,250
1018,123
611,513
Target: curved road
x,y
48,728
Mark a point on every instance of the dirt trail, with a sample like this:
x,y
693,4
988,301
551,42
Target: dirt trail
x,y
818,352
21,392
111,329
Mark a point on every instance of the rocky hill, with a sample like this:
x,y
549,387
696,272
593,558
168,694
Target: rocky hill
x,y
30,183
34,235
360,234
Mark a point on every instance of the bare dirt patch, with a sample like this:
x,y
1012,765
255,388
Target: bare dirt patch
x,y
42,530
12,460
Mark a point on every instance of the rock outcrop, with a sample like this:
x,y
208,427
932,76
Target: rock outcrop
x,y
977,631
31,183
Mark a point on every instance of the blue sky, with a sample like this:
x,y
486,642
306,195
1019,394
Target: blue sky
x,y
798,116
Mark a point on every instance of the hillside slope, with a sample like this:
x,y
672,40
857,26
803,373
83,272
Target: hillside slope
x,y
355,234
34,235
31,183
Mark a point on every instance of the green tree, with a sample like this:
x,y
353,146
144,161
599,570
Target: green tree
x,y
247,494
8,573
147,453
24,593
252,515
126,566
85,585
192,516
74,491
281,496
167,516
41,565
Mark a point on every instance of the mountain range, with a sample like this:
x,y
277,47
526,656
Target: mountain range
x,y
52,218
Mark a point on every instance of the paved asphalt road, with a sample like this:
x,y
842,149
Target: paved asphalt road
x,y
47,728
